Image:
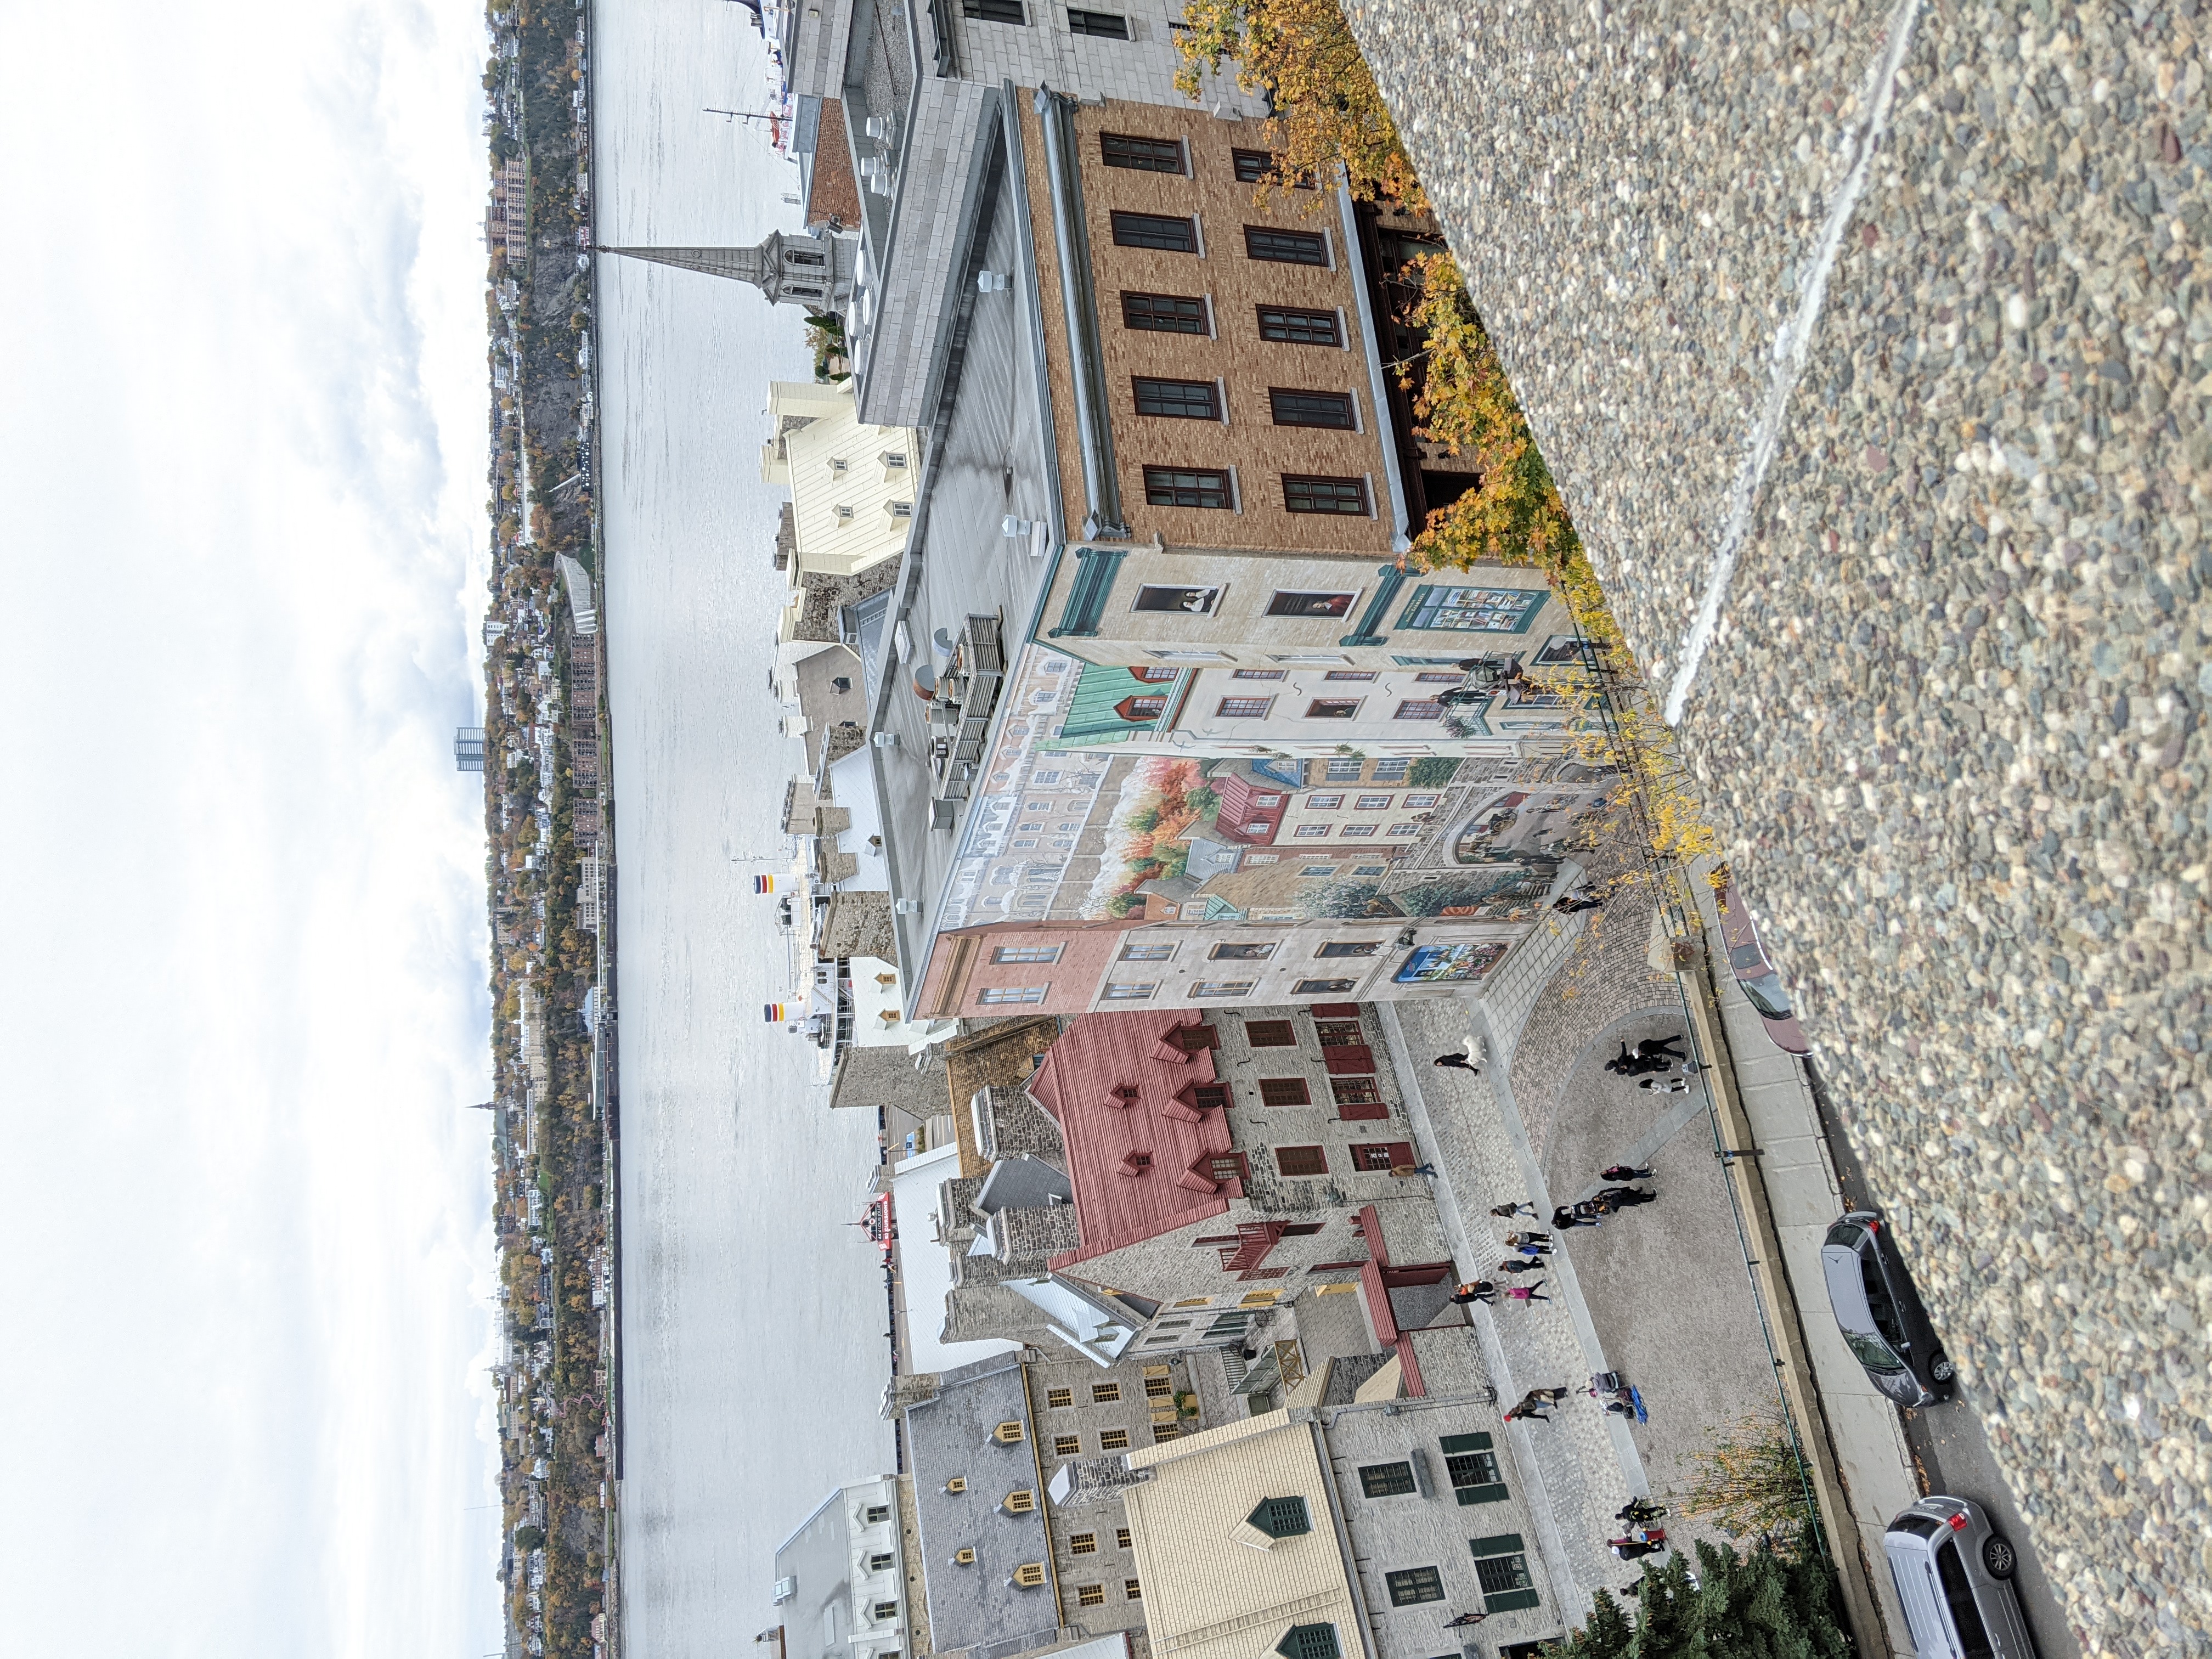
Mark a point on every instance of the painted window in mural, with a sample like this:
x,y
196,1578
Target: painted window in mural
x,y
1449,964
1475,610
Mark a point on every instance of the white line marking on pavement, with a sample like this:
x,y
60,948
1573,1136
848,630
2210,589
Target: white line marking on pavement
x,y
1792,346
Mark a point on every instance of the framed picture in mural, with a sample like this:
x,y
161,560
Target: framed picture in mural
x,y
1449,964
1475,610
1191,601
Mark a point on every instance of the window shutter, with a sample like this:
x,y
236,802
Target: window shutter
x,y
1510,1601
1503,1543
1496,1494
1467,1443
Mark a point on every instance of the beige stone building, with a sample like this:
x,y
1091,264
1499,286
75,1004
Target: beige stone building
x,y
1322,1532
852,486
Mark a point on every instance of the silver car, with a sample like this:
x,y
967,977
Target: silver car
x,y
1953,1576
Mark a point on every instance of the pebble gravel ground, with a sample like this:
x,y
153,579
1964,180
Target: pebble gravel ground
x,y
1882,336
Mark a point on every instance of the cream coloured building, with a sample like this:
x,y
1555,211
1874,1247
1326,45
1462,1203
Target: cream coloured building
x,y
1318,1532
852,484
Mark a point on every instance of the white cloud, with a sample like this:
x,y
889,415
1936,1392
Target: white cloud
x,y
244,999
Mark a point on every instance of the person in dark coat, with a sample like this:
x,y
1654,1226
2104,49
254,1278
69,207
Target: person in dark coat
x,y
1564,1218
1625,1197
1507,1212
1529,1243
1521,1264
1475,1290
1624,1172
1458,1061
1630,1549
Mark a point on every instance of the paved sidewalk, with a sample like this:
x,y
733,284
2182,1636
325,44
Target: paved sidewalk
x,y
1805,1198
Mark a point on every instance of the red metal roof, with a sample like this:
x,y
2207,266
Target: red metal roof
x,y
1097,1054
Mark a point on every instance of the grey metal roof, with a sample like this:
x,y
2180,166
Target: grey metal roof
x,y
1023,1184
951,1436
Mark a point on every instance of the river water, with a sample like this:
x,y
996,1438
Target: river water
x,y
753,1315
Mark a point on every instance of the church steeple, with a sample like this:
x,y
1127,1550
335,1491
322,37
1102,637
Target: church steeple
x,y
815,272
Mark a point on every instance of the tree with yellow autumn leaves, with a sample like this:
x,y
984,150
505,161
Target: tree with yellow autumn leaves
x,y
1329,122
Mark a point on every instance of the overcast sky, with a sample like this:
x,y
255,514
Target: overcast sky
x,y
246,1243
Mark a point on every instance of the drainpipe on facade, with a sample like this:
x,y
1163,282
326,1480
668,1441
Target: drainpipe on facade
x,y
1086,358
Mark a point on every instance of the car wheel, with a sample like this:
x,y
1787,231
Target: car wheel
x,y
1998,1555
1941,1369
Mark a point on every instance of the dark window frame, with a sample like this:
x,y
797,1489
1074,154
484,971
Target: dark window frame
x,y
1388,1479
1410,1587
1327,411
1151,230
1300,325
1144,312
1140,152
995,11
1097,25
1273,246
1312,492
1204,487
1285,1092
1176,400
1271,1034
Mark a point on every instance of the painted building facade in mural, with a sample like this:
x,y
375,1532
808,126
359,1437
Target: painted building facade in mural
x,y
1103,864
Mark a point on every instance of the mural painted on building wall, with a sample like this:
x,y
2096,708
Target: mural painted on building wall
x,y
1067,825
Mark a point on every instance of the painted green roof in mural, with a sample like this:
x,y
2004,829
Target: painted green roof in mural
x,y
1094,713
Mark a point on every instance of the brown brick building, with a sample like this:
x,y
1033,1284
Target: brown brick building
x,y
1225,387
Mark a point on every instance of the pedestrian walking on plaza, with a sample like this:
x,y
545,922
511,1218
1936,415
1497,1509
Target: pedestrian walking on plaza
x,y
1476,1289
1659,1047
1624,1172
1666,1086
1521,1264
1530,1244
1564,1218
1639,1511
1630,1549
1526,1293
1532,1409
1507,1212
1625,1197
1407,1171
1578,900
1458,1062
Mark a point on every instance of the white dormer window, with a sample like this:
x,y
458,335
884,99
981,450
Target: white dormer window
x,y
844,514
836,466
899,509
894,461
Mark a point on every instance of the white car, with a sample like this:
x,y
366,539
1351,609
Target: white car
x,y
1954,1575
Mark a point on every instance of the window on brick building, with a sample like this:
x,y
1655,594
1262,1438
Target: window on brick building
x,y
1284,1091
1332,409
1163,232
1113,1440
1271,1034
1306,493
1187,486
1128,149
1177,400
1285,247
1300,1160
1299,326
1322,987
